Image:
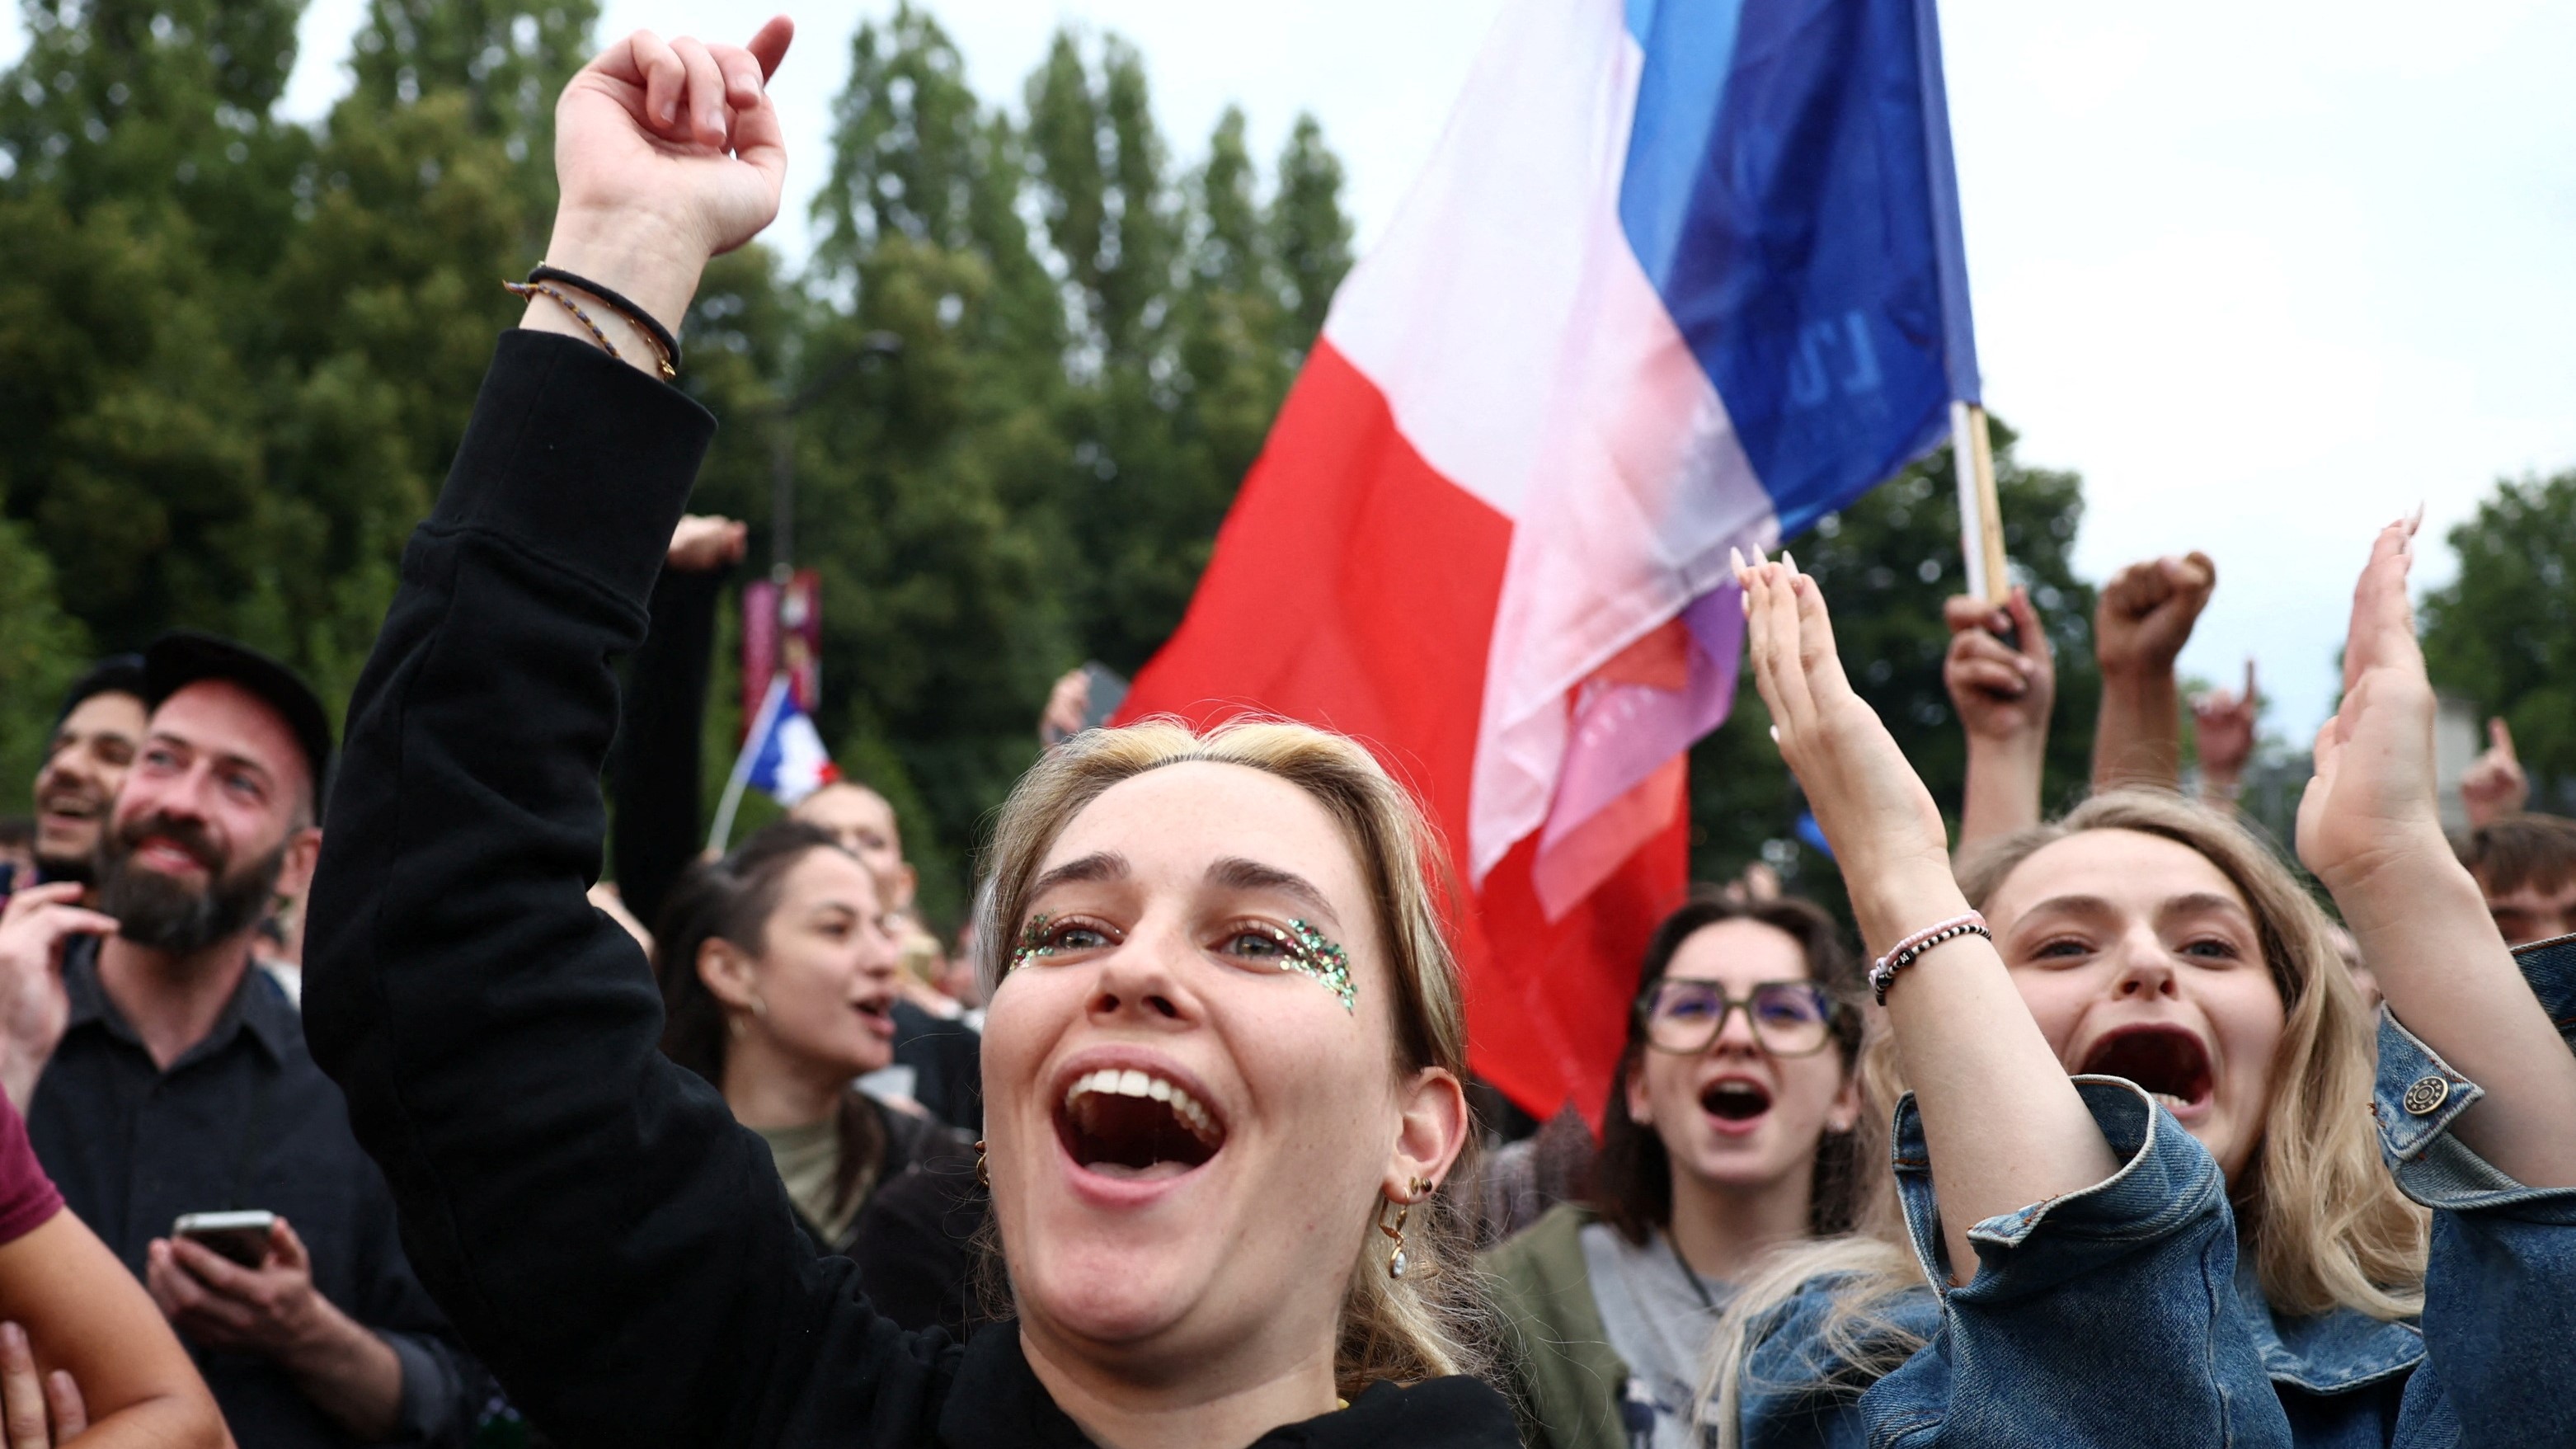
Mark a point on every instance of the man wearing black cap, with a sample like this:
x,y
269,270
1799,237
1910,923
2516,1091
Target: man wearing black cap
x,y
95,739
169,1077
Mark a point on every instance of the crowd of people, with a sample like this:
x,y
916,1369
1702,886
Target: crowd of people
x,y
345,1107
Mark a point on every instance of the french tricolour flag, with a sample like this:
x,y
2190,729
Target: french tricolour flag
x,y
1682,275
785,750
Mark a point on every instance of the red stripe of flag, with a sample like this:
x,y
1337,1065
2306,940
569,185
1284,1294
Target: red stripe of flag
x,y
1354,588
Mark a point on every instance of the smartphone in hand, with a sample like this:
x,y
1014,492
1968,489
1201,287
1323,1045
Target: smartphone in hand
x,y
241,1237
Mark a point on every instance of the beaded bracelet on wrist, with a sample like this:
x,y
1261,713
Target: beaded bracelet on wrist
x,y
1882,972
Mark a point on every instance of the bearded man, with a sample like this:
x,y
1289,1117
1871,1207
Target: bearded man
x,y
162,1075
96,735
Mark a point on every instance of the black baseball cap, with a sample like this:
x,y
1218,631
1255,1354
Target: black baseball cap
x,y
184,656
116,674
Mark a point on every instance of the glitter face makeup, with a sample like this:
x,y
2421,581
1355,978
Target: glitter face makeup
x,y
1033,943
1307,951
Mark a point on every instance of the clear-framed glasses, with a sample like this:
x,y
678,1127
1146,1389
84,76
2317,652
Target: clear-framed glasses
x,y
1789,1018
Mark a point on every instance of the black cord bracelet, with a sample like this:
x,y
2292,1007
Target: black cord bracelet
x,y
645,322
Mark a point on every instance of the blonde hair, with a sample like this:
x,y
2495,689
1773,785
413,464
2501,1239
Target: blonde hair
x,y
2318,1214
1428,1323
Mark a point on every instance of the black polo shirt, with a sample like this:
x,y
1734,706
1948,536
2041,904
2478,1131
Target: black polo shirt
x,y
243,1119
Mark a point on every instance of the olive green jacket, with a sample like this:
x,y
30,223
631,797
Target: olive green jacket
x,y
1567,1384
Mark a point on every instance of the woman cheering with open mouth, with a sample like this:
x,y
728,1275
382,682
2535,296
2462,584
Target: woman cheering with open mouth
x,y
2140,1202
1223,1057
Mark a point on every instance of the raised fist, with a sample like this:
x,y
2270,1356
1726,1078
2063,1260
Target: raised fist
x,y
667,153
2147,611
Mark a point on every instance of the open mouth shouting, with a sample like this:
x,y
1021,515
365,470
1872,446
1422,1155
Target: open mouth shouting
x,y
1735,1104
877,1014
2168,1061
1136,1124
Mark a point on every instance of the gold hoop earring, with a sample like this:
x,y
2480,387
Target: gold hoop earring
x,y
983,1177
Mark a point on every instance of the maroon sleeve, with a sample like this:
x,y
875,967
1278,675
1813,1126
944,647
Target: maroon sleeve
x,y
27,1197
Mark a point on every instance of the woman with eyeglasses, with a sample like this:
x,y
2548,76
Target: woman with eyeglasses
x,y
1733,1125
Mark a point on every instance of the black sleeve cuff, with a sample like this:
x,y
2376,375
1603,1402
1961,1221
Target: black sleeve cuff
x,y
585,460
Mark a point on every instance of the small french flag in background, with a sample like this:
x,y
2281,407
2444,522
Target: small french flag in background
x,y
788,759
782,754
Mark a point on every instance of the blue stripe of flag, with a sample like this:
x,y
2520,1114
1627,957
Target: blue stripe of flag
x,y
1789,191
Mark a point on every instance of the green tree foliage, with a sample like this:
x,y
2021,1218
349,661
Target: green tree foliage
x,y
1886,564
42,650
235,352
2504,631
1308,232
1092,347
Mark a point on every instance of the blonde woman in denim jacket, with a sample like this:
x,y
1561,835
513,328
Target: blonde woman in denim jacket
x,y
2149,1103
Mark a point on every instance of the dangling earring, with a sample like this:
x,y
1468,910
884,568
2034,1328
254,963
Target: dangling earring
x,y
1395,1262
983,1177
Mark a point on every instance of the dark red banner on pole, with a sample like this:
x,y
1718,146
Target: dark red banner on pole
x,y
782,631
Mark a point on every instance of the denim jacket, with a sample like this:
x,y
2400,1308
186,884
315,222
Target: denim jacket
x,y
2121,1316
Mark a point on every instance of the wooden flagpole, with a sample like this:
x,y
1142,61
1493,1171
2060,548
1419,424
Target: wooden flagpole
x,y
1981,517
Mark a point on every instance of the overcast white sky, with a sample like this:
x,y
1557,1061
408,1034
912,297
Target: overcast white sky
x,y
2267,275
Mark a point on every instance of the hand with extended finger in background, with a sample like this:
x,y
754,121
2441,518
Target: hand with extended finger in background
x,y
2003,695
2494,785
2223,724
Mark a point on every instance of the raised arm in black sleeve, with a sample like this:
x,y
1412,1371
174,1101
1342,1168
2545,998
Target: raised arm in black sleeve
x,y
601,1232
661,724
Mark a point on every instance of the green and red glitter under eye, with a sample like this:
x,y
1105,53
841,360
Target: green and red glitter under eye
x,y
1310,953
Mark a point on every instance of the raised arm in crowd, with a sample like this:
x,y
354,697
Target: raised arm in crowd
x,y
1225,1041
2157,1218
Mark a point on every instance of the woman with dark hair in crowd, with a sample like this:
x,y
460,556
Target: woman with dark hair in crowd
x,y
777,973
1225,1042
1734,1125
2139,1202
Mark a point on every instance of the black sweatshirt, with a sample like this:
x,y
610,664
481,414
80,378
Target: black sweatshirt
x,y
599,1228
655,767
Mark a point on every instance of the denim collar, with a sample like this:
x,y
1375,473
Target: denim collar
x,y
2328,1353
2550,967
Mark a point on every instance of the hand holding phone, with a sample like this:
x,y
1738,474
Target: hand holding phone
x,y
239,1237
